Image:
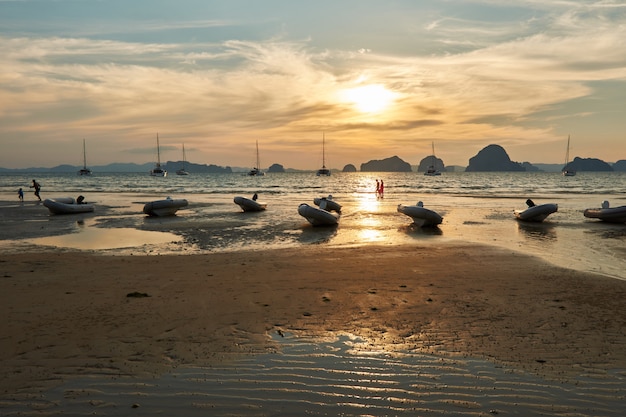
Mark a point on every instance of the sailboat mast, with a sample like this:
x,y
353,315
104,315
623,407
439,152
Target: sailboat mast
x,y
567,152
84,155
258,162
158,152
323,149
434,159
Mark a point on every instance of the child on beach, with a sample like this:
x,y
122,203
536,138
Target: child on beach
x,y
20,194
37,187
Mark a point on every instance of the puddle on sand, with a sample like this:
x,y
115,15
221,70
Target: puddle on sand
x,y
95,238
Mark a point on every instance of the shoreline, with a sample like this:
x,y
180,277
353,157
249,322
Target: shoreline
x,y
215,226
69,314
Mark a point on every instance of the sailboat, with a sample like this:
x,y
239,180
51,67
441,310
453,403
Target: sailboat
x,y
567,171
182,171
84,170
432,170
323,171
158,171
256,171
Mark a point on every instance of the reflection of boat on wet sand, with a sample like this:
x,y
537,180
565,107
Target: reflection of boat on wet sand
x,y
536,213
67,205
250,204
607,214
167,207
317,216
421,216
327,203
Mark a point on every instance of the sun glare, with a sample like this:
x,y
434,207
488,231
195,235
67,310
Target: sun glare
x,y
373,98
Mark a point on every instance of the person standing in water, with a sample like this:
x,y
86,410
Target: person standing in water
x,y
381,189
37,187
20,194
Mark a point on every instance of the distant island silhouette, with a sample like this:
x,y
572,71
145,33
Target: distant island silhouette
x,y
492,158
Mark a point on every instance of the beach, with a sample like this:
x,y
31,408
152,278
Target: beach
x,y
69,315
219,312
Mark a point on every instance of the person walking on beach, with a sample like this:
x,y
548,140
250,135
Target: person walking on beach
x,y
381,189
377,188
37,187
20,194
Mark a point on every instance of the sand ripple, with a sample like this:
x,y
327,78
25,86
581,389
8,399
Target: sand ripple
x,y
312,377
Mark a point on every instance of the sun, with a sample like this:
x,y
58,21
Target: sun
x,y
373,98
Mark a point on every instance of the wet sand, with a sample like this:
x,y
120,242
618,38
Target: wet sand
x,y
405,323
72,315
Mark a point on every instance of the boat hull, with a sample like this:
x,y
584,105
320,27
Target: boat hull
x,y
317,216
158,172
536,213
167,207
432,174
67,205
611,215
247,204
327,203
421,216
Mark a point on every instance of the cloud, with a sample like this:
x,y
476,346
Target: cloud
x,y
475,79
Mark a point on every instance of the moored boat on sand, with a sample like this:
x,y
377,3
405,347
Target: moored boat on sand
x,y
421,216
607,214
250,204
167,207
67,205
327,203
536,213
317,216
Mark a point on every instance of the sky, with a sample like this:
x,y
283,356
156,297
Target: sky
x,y
373,78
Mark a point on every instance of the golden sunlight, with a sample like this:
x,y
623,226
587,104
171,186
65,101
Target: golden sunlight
x,y
373,98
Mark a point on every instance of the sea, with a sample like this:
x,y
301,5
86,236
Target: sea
x,y
477,208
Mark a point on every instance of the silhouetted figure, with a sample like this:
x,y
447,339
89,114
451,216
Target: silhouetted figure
x,y
37,187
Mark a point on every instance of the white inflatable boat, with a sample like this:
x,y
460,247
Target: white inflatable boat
x,y
327,203
536,213
317,216
250,204
421,216
167,207
67,205
607,214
